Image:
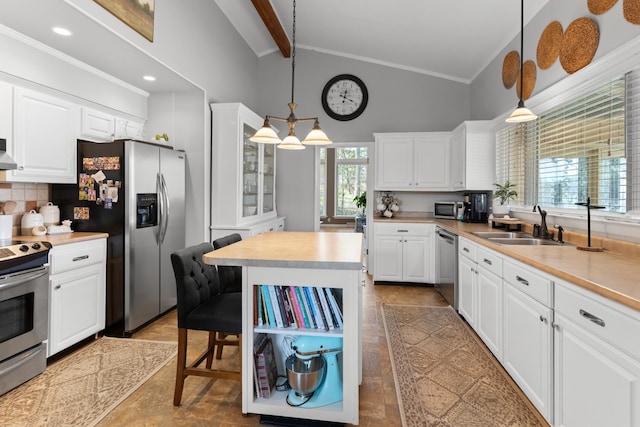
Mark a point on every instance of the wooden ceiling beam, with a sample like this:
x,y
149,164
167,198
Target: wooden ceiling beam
x,y
271,21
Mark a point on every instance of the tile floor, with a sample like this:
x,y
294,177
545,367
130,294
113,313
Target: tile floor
x,y
218,402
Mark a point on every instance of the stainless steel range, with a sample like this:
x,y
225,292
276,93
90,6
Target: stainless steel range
x,y
24,311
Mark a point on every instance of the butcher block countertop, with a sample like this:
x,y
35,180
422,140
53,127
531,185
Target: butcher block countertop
x,y
63,238
614,274
336,251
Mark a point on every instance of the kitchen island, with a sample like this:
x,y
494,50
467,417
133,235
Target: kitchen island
x,y
301,259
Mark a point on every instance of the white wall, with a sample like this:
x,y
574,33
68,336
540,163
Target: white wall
x,y
398,101
490,99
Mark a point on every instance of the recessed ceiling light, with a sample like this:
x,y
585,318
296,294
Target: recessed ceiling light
x,y
62,31
149,78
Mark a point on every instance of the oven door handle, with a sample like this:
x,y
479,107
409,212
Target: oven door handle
x,y
11,280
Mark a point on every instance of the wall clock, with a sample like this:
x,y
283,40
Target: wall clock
x,y
344,97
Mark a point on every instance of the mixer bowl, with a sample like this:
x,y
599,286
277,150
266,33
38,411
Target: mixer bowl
x,y
305,375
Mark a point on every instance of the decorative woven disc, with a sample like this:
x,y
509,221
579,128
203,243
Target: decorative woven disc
x,y
631,11
598,7
549,45
528,79
510,69
579,44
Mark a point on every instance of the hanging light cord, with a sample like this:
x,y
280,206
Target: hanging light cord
x,y
293,52
521,46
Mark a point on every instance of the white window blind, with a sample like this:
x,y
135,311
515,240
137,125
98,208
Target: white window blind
x,y
573,151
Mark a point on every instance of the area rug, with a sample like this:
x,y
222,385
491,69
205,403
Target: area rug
x,y
445,376
81,388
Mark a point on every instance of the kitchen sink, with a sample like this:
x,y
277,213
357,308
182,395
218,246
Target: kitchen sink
x,y
501,234
525,241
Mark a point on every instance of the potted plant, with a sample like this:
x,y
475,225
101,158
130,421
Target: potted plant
x,y
361,203
505,193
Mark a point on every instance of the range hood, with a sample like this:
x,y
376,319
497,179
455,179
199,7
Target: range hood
x,y
6,162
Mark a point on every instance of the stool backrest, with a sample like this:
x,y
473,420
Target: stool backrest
x,y
196,281
230,276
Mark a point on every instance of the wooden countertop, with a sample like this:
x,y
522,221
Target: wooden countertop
x,y
612,275
336,251
63,238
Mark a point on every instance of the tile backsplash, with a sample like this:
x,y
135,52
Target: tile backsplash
x,y
26,196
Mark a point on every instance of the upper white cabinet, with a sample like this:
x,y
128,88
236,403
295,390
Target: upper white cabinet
x,y
44,135
243,172
104,127
96,125
6,112
412,161
472,156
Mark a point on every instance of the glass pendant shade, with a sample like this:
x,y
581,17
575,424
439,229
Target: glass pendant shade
x,y
521,114
317,136
291,142
266,135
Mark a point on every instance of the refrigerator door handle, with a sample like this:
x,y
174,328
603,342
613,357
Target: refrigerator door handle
x,y
165,208
158,229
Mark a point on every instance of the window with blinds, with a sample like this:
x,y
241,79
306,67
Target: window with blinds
x,y
573,151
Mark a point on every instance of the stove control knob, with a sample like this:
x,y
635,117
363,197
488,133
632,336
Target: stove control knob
x,y
36,246
24,248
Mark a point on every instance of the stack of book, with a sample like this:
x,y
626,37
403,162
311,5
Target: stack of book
x,y
297,307
265,371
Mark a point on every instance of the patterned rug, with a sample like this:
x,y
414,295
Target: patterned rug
x,y
80,389
444,374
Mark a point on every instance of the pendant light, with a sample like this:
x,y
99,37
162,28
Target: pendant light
x,y
521,113
267,135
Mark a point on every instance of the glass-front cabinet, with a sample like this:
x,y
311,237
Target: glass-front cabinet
x,y
244,172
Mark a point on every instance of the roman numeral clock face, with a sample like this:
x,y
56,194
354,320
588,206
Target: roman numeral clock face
x,y
344,97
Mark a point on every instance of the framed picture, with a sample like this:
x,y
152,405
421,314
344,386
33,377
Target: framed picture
x,y
138,14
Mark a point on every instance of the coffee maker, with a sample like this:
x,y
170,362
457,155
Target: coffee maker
x,y
476,207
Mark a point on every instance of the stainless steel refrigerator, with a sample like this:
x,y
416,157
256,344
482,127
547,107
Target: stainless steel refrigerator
x,y
140,202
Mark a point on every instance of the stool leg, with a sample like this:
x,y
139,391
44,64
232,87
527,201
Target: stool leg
x,y
211,348
182,361
220,341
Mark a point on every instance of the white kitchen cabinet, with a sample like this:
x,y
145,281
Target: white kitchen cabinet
x,y
412,161
489,308
250,230
96,125
404,252
77,279
597,360
467,280
472,156
6,112
243,172
131,129
44,135
527,345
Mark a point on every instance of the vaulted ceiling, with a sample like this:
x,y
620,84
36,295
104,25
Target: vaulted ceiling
x,y
454,39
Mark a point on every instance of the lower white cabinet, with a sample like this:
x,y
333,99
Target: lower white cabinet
x,y
489,283
249,230
527,346
597,360
77,284
404,252
467,280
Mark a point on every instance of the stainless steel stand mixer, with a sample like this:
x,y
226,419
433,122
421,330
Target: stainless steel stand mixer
x,y
314,371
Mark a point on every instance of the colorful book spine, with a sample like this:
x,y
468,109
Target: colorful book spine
x,y
288,307
325,307
334,306
269,305
307,307
316,312
300,306
258,305
276,306
266,368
